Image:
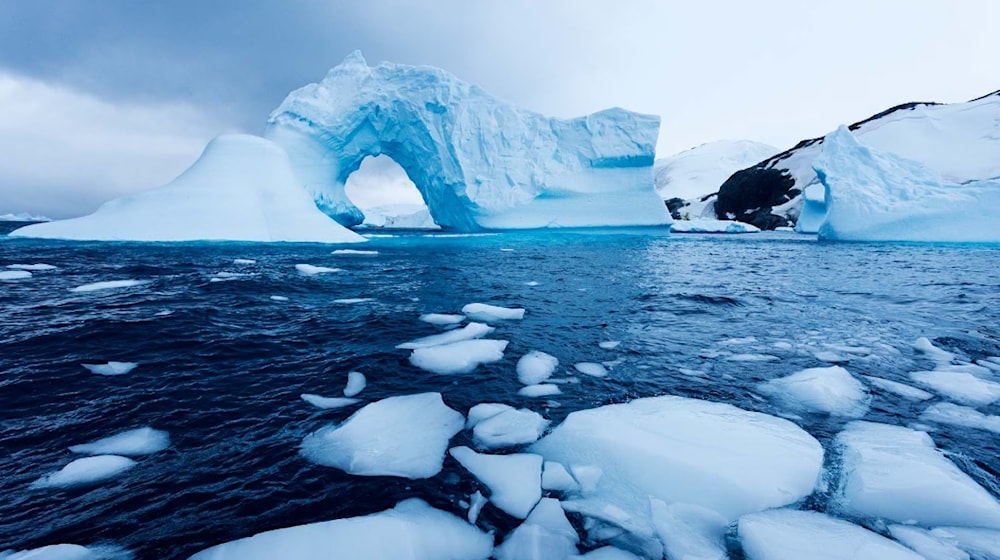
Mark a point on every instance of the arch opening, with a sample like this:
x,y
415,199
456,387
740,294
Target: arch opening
x,y
386,195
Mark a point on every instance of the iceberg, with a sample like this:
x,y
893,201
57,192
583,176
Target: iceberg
x,y
702,169
412,530
240,189
402,436
478,162
872,195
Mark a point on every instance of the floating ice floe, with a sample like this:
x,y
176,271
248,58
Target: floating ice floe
x,y
783,534
675,449
609,344
402,436
442,319
353,252
68,552
468,332
244,261
689,531
140,441
752,358
965,384
556,478
111,368
924,542
897,474
85,471
476,503
328,403
225,276
514,481
981,544
9,275
107,285
830,357
311,270
458,357
609,553
487,313
535,367
352,301
532,283
546,534
897,388
957,415
592,369
356,382
925,346
412,530
509,428
539,390
33,267
704,225
279,298
831,390
482,411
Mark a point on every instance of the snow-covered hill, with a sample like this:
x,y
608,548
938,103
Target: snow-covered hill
x,y
702,170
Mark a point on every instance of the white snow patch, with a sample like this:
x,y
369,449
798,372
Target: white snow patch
x,y
897,388
468,332
108,285
509,428
535,367
85,471
328,403
140,441
514,480
356,382
111,368
458,357
486,313
831,390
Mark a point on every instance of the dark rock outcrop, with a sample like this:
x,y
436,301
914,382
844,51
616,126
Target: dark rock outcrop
x,y
748,196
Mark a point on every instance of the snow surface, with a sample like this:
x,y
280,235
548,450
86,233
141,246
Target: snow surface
x,y
897,474
240,189
107,285
111,368
509,428
535,367
328,403
468,332
402,436
140,441
86,471
458,357
705,225
707,454
879,196
514,480
831,390
478,162
703,169
957,415
546,534
486,313
356,382
412,530
784,534
7,275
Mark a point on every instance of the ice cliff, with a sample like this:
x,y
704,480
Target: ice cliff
x,y
872,195
479,163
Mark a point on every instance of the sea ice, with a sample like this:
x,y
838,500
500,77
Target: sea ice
x,y
402,436
140,441
244,261
476,503
412,530
591,368
7,275
310,270
108,285
704,225
86,471
279,298
509,428
609,553
923,542
468,332
482,411
831,390
688,531
514,480
539,390
938,355
752,358
328,403
901,389
486,313
68,552
609,344
956,415
555,477
353,252
352,301
981,544
356,382
111,368
896,474
684,450
458,357
958,384
34,267
535,367
546,534
783,534
442,319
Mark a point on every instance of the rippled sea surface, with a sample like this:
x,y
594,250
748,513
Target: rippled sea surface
x,y
223,371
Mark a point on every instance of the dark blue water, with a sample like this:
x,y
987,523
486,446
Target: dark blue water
x,y
223,372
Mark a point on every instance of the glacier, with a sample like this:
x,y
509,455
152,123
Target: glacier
x,y
478,162
871,195
240,189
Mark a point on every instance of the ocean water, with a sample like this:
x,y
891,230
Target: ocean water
x,y
223,370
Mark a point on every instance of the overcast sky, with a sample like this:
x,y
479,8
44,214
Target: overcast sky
x,y
102,97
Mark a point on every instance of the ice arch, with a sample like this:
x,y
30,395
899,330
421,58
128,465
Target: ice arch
x,y
478,162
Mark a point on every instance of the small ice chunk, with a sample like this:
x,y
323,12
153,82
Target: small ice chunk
x,y
783,345
223,276
476,503
244,261
353,252
957,415
412,530
783,534
532,283
89,470
609,553
352,301
592,369
535,367
556,478
539,390
940,356
442,319
545,535
752,358
356,382
140,441
33,267
482,411
111,368
897,388
831,390
957,384
163,313
8,275
468,332
486,313
514,480
895,473
108,285
689,531
609,344
458,357
506,250
981,544
923,542
402,436
279,298
509,428
328,403
310,270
